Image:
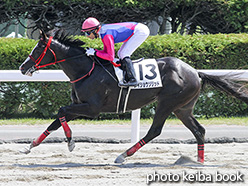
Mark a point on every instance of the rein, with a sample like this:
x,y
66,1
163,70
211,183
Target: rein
x,y
104,68
38,61
88,74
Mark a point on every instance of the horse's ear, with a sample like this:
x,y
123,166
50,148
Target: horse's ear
x,y
43,35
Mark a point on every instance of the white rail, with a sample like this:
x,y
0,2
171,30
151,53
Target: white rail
x,y
58,75
41,75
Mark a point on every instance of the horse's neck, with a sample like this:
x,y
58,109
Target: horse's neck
x,y
75,67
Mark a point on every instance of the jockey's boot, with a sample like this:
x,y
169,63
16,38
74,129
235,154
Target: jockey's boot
x,y
128,73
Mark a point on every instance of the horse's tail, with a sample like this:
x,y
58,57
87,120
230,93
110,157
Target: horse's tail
x,y
226,83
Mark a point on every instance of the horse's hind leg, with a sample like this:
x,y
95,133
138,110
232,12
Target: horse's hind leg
x,y
154,131
186,116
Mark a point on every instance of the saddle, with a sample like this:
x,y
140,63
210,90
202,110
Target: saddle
x,y
147,75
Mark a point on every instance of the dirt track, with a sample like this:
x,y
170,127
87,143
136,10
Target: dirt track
x,y
93,164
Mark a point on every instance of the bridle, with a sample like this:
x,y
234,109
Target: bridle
x,y
39,59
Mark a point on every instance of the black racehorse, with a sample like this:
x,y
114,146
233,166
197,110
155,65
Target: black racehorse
x,y
95,91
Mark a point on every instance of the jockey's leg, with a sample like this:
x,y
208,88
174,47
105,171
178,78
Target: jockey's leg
x,y
128,73
141,32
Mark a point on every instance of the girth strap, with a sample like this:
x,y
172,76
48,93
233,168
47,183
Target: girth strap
x,y
123,99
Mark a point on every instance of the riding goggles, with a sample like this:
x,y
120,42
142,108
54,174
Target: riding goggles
x,y
89,32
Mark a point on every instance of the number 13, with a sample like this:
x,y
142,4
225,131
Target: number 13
x,y
152,70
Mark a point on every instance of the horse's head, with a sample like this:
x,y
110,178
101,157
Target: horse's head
x,y
38,55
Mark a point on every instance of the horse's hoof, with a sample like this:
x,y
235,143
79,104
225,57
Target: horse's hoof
x,y
120,159
25,150
71,145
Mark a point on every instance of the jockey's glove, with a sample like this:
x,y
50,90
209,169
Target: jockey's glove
x,y
116,60
90,52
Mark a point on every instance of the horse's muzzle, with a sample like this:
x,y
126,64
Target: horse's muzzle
x,y
28,72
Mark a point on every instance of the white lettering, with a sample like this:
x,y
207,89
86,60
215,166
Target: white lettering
x,y
238,177
198,176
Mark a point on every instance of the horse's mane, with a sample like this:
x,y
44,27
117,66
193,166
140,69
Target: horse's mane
x,y
64,38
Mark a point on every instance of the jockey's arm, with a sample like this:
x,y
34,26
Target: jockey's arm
x,y
108,52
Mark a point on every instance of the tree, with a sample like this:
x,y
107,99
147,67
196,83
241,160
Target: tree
x,y
212,16
185,16
70,14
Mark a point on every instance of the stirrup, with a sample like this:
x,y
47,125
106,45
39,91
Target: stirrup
x,y
131,83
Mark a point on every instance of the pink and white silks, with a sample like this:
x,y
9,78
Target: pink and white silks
x,y
132,35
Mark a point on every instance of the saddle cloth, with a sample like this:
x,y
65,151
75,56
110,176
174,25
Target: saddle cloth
x,y
147,74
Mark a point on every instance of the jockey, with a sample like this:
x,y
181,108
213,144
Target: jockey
x,y
132,35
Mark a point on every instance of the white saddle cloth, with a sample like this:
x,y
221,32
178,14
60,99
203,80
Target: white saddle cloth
x,y
147,74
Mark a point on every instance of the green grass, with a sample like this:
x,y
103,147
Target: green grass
x,y
243,121
213,121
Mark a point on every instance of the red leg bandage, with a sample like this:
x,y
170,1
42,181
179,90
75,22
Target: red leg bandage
x,y
41,138
65,127
136,147
201,153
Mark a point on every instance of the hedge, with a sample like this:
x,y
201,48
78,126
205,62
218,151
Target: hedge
x,y
220,51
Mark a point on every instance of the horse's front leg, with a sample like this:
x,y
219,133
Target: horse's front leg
x,y
68,133
54,126
65,114
74,109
